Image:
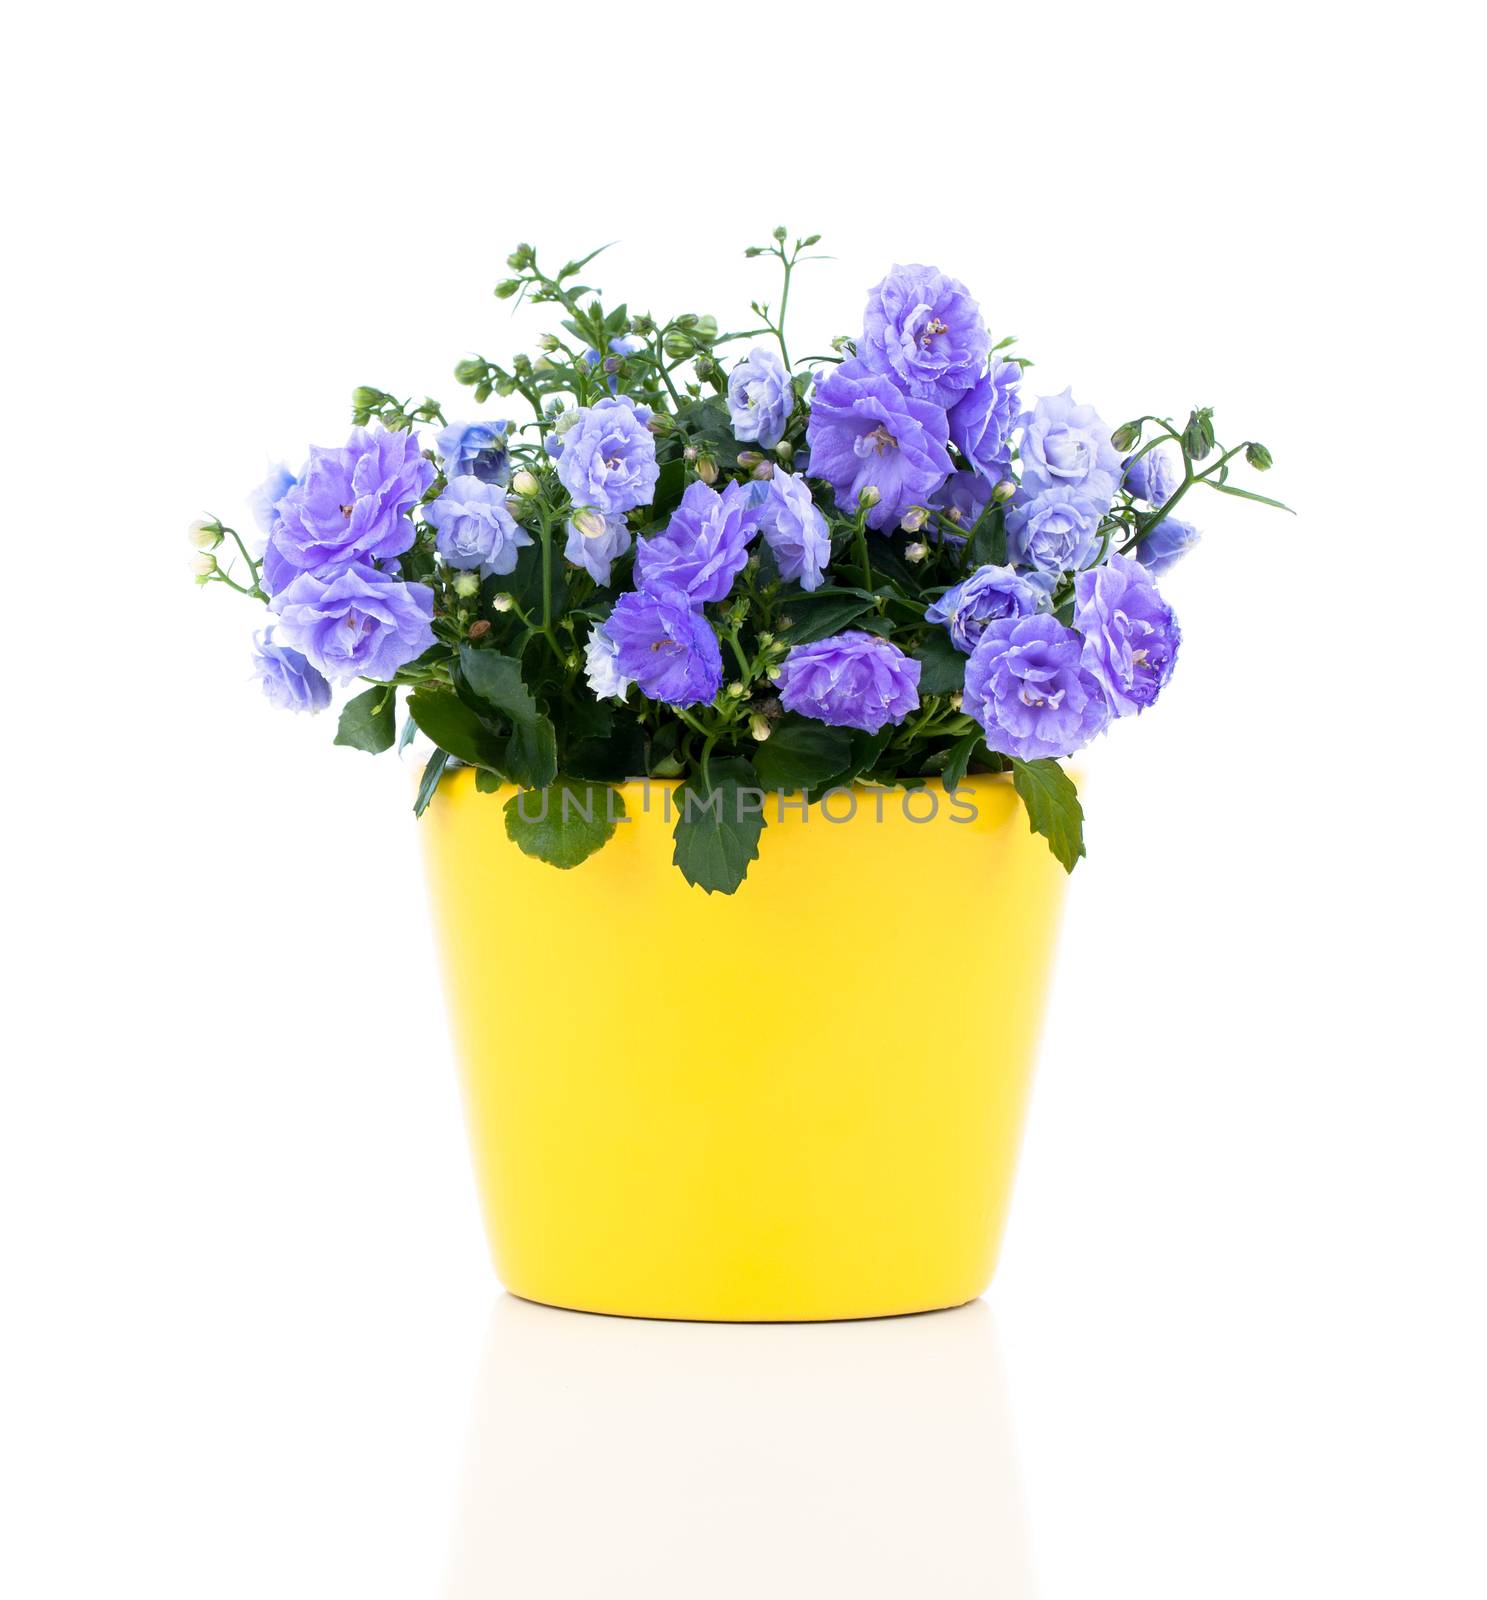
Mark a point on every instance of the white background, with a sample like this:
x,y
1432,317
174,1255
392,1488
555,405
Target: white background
x,y
250,1343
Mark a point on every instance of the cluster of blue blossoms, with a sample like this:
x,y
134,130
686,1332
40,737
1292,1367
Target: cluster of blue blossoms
x,y
921,427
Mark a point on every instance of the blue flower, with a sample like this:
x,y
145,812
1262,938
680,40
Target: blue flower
x,y
595,541
865,434
1027,688
794,529
851,680
475,526
1053,530
352,504
961,499
1067,445
476,450
925,331
988,595
1130,634
609,456
666,647
760,398
1152,477
981,421
601,667
356,623
704,547
1166,545
264,501
288,680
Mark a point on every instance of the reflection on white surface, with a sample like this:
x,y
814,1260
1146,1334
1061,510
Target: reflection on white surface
x,y
614,1457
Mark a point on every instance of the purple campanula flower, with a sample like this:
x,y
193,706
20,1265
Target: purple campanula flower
x,y
961,499
1152,477
475,526
865,433
988,595
595,542
851,680
475,450
981,421
1166,545
609,457
1053,530
1026,687
925,332
760,398
264,500
666,647
601,667
1130,634
287,679
356,623
795,529
351,504
1067,444
704,546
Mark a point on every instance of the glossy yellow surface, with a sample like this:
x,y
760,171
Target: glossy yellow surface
x,y
803,1101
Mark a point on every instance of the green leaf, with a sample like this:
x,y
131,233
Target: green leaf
x,y
820,619
487,782
564,822
1248,494
369,722
617,755
961,752
531,754
866,748
942,668
989,538
454,727
432,772
800,753
492,684
1053,807
717,830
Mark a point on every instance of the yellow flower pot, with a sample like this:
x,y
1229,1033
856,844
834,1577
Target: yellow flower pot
x,y
799,1102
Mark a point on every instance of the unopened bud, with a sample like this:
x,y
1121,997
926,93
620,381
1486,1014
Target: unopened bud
x,y
690,453
542,364
469,371
525,484
766,639
868,498
501,602
205,535
759,727
478,630
507,288
589,522
749,459
1004,491
957,700
548,341
679,346
1126,437
735,690
365,399
520,258
914,519
1258,457
916,552
764,471
466,584
203,565
707,469
779,233
785,451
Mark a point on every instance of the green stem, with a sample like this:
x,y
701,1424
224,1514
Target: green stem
x,y
860,532
784,302
552,638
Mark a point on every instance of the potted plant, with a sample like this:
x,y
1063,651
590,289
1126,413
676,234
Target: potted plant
x,y
735,672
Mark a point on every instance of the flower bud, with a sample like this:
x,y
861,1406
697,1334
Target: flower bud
x,y
690,453
779,233
914,519
542,364
589,522
707,469
957,700
916,552
507,287
735,690
548,341
785,451
706,329
764,471
687,320
520,258
678,346
501,602
1126,437
525,484
660,423
1003,491
479,629
466,584
521,363
1197,437
471,370
205,535
749,459
766,639
759,727
868,498
365,399
1258,456
204,565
